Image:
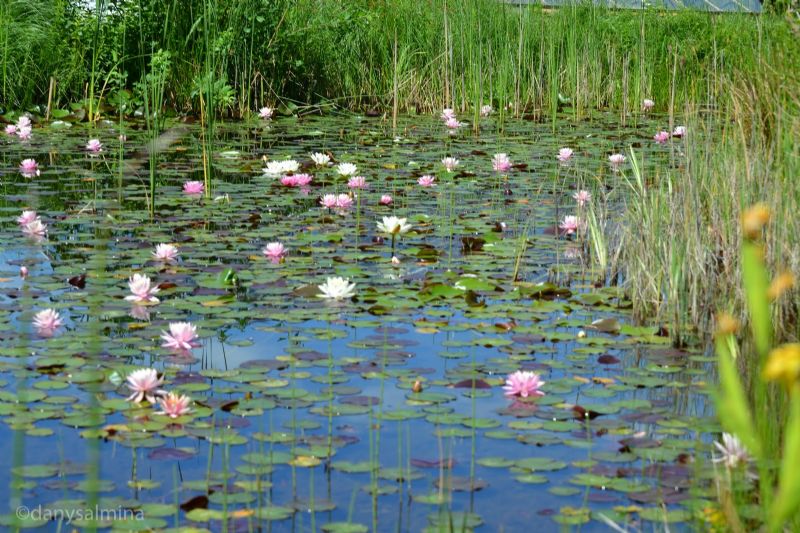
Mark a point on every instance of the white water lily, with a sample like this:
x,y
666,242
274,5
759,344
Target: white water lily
x,y
336,288
450,163
394,226
346,169
266,113
320,159
279,168
733,451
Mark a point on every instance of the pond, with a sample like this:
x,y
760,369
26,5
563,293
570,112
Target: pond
x,y
376,412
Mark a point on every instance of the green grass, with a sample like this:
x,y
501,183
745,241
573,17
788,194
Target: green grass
x,y
361,54
744,153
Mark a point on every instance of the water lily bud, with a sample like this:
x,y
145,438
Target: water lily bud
x,y
395,260
417,386
23,272
581,334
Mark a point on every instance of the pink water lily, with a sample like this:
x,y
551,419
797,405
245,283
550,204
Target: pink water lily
x,y
386,199
24,132
181,336
275,252
564,154
486,110
174,405
35,228
661,137
582,197
344,201
194,187
166,253
144,384
501,163
571,224
329,201
24,121
11,129
266,113
297,180
26,218
523,384
453,123
679,131
142,290
647,104
94,146
357,182
29,168
427,181
47,322
448,114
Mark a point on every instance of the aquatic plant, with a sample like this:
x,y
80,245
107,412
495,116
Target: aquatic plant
x,y
144,384
142,291
501,163
275,252
29,168
182,336
564,154
47,322
337,288
523,384
194,187
167,253
174,405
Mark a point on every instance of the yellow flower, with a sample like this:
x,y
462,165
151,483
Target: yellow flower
x,y
783,364
714,518
726,324
781,284
754,219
